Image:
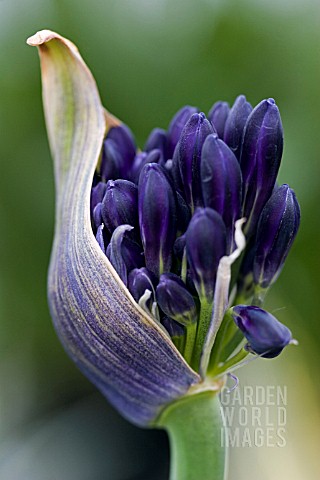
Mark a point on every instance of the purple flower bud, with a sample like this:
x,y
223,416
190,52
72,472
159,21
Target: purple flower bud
x,y
157,218
183,214
175,300
124,140
174,328
123,252
157,140
189,157
277,228
111,163
97,194
140,280
120,204
265,334
206,244
234,126
176,126
179,246
218,116
154,156
96,216
221,183
260,159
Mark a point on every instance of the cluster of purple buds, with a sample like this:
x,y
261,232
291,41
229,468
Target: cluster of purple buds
x,y
166,216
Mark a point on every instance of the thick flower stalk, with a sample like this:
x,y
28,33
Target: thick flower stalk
x,y
162,257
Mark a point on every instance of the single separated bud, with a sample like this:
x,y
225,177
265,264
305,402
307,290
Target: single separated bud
x,y
177,125
157,140
277,228
111,163
140,280
189,157
233,130
157,218
260,159
218,116
205,245
221,183
175,300
120,204
124,140
265,334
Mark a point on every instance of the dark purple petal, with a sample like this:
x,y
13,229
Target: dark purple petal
x,y
140,280
120,204
189,157
183,213
277,229
179,246
97,194
157,218
96,215
174,328
218,116
123,252
111,163
139,162
175,300
265,334
157,139
176,126
233,130
154,156
221,183
124,140
205,244
260,159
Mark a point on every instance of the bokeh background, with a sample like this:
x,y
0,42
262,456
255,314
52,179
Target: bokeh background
x,y
149,58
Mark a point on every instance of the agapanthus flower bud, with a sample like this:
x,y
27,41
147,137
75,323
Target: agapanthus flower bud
x,y
140,280
221,183
124,140
123,252
265,334
260,159
218,116
205,244
189,157
234,126
157,140
120,204
175,300
277,229
96,215
111,162
183,213
97,194
177,125
175,329
157,218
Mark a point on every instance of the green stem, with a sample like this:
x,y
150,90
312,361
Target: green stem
x,y
203,325
190,336
194,425
237,358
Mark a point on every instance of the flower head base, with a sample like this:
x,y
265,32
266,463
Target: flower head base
x,y
140,278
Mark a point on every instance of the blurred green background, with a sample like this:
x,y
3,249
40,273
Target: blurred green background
x,y
149,58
